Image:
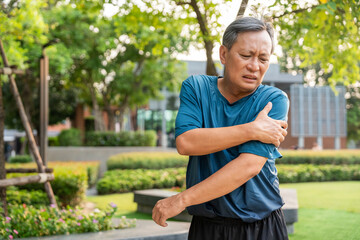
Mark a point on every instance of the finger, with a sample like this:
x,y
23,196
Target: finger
x,y
284,132
162,222
267,108
283,124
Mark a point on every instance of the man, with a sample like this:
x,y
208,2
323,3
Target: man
x,y
231,127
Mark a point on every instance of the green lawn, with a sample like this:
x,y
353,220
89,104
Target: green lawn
x,y
328,210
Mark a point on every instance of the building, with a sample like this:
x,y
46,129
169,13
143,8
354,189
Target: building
x,y
317,116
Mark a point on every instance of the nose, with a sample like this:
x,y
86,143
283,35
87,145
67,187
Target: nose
x,y
253,65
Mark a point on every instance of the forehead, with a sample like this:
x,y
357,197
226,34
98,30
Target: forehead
x,y
253,41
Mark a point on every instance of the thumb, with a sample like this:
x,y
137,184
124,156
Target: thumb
x,y
267,108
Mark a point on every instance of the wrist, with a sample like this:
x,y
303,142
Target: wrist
x,y
250,132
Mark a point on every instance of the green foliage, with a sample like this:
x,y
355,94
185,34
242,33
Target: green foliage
x,y
70,137
125,138
353,114
20,159
28,221
337,157
146,160
118,181
70,183
317,173
53,141
36,198
325,34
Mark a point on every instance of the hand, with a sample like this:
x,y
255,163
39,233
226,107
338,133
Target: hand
x,y
167,208
268,130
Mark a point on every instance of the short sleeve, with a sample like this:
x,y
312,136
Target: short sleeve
x,y
279,111
189,115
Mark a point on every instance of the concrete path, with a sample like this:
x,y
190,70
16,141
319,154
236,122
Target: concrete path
x,y
144,230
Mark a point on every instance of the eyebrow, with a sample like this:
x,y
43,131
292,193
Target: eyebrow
x,y
252,52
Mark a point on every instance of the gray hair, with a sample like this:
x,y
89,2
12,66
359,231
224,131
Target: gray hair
x,y
246,24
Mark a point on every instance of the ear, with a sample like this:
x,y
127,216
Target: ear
x,y
223,51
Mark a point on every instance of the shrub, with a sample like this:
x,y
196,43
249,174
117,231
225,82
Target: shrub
x,y
126,138
337,157
70,183
27,221
53,141
35,198
146,160
317,173
70,137
20,159
119,181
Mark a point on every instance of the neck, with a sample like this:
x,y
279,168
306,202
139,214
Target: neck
x,y
230,92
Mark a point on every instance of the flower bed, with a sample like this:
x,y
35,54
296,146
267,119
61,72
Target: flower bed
x,y
28,221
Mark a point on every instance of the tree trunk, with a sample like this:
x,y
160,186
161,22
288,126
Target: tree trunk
x,y
210,66
110,113
2,157
242,8
99,123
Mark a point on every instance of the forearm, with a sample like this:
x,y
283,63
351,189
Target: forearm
x,y
203,141
231,176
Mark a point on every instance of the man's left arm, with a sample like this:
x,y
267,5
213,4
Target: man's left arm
x,y
225,180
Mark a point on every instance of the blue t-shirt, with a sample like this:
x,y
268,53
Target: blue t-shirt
x,y
203,106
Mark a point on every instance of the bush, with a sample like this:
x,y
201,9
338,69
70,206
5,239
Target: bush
x,y
35,198
317,173
20,159
70,183
146,138
27,221
53,141
337,157
119,181
146,160
70,137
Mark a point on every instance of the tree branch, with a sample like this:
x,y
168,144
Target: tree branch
x,y
296,11
179,3
242,8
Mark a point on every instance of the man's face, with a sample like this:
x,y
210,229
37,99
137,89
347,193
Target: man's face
x,y
247,61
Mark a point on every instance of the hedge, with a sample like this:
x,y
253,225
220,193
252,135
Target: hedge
x,y
126,138
36,198
20,159
120,181
70,183
337,157
317,173
69,137
147,160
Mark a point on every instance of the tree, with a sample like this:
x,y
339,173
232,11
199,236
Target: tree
x,y
325,35
150,38
20,40
206,27
24,47
353,114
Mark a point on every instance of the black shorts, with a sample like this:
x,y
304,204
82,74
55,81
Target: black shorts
x,y
272,227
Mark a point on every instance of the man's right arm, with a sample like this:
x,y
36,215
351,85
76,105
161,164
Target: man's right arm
x,y
201,141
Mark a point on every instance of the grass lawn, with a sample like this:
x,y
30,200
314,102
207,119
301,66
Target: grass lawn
x,y
328,210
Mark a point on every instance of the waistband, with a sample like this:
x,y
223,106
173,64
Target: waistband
x,y
233,221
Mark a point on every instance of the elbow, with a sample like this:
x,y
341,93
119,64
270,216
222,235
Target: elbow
x,y
181,146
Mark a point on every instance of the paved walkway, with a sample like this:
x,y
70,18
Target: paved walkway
x,y
144,230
